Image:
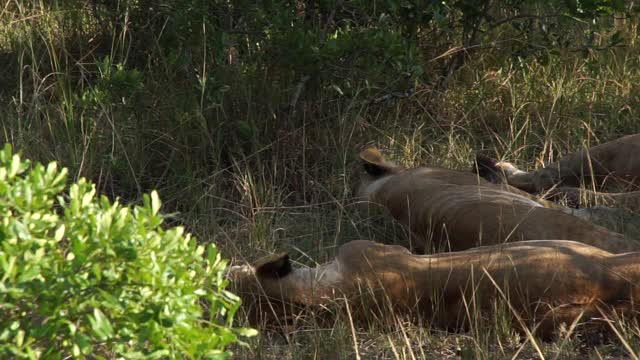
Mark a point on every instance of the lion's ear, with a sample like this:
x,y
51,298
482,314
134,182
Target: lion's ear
x,y
273,266
493,170
487,167
375,164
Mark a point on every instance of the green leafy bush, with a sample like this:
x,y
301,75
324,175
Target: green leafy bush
x,y
81,276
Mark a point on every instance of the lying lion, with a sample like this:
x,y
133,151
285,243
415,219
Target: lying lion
x,y
612,167
579,197
455,210
546,282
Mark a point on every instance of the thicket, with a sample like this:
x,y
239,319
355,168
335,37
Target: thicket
x,y
84,277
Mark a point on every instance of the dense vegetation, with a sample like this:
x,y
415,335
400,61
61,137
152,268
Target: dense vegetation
x,y
246,116
82,276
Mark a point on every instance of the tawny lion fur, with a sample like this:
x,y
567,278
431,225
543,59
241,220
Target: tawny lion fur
x,y
545,282
579,198
613,166
457,210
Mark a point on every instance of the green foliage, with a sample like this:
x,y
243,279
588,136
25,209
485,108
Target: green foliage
x,y
341,45
84,277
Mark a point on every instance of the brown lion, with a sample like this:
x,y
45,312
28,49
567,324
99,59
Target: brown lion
x,y
579,198
457,210
546,283
611,167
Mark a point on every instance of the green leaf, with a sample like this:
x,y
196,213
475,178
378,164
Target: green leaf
x,y
101,325
59,233
30,273
247,332
155,202
15,166
157,354
83,342
87,198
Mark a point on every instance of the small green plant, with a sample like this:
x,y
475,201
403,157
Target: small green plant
x,y
82,276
